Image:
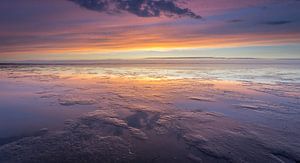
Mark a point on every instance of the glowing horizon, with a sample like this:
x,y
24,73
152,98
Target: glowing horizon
x,y
58,30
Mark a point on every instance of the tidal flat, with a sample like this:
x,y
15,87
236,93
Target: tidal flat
x,y
217,111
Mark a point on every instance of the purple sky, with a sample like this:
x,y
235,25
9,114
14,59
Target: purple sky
x,y
101,29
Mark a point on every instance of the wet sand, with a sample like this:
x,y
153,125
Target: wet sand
x,y
132,118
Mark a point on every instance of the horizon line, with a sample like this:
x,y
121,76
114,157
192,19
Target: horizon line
x,y
149,60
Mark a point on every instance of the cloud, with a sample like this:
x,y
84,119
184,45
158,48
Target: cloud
x,y
235,21
141,8
280,22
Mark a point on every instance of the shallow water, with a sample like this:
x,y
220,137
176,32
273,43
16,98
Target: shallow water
x,y
256,104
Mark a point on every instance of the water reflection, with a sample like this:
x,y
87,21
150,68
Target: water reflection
x,y
188,105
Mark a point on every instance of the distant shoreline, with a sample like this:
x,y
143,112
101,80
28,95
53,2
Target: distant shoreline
x,y
158,60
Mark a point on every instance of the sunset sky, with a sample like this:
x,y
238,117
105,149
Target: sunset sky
x,y
129,29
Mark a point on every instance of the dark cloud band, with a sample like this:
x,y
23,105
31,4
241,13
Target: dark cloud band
x,y
141,8
280,22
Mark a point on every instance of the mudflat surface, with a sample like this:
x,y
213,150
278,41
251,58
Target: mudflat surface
x,y
143,114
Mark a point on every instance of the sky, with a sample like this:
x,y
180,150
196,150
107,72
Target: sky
x,y
133,29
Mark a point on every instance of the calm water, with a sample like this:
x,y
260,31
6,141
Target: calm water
x,y
23,109
35,98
